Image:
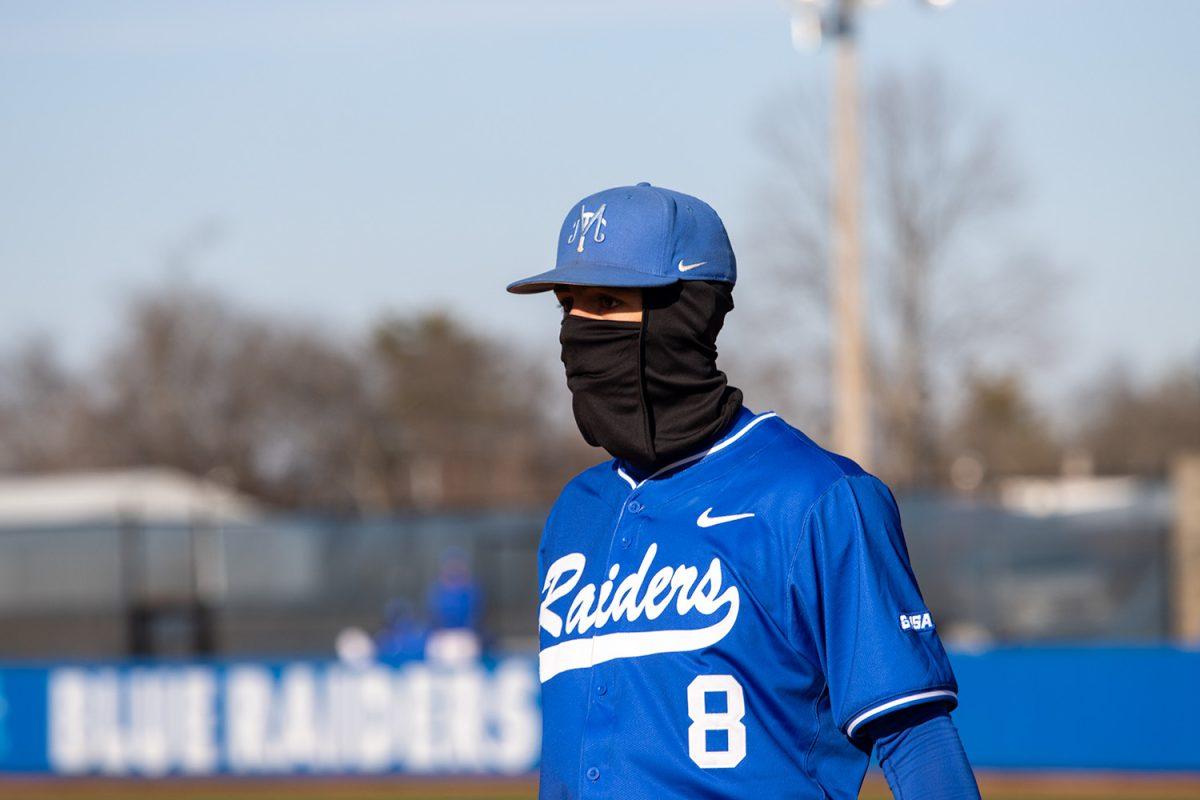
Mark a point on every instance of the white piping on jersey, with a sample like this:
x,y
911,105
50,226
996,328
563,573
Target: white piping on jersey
x,y
721,445
899,701
631,481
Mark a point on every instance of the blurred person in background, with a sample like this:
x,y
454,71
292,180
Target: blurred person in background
x,y
453,602
454,596
727,609
403,634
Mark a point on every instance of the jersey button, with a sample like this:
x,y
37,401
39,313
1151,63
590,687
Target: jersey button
x,y
635,506
593,774
602,690
625,542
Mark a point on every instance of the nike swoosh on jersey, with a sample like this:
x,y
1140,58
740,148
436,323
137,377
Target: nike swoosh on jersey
x,y
705,521
685,267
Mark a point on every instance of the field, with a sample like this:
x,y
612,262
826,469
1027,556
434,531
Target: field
x,y
995,787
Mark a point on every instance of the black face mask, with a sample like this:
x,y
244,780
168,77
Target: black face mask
x,y
650,392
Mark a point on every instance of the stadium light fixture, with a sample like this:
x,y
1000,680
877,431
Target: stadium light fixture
x,y
812,21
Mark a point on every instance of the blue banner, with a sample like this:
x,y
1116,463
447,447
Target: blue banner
x,y
1113,708
1055,708
262,719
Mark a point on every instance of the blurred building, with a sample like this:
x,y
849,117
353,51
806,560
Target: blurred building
x,y
1050,559
151,494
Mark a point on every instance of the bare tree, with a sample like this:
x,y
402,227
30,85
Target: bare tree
x,y
422,413
43,410
951,284
1000,429
199,384
777,346
457,419
1138,427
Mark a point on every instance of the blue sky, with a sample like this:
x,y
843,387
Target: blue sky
x,y
363,156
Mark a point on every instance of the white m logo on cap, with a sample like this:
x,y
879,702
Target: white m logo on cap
x,y
588,220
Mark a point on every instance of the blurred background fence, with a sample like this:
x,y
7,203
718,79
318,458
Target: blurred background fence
x,y
286,585
278,587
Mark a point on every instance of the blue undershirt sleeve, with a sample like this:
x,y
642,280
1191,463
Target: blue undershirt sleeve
x,y
922,756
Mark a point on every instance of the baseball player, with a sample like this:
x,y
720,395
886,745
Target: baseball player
x,y
727,609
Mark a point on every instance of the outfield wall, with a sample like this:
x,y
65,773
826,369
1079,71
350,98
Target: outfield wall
x,y
250,718
1125,708
1072,708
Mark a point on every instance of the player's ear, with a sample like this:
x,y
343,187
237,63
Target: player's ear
x,y
565,299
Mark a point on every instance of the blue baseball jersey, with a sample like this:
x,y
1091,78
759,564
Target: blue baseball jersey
x,y
725,627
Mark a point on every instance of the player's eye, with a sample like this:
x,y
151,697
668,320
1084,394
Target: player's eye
x,y
607,302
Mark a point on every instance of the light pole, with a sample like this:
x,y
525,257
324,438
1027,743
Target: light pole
x,y
813,20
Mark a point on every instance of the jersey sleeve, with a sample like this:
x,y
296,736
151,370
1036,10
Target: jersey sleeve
x,y
855,602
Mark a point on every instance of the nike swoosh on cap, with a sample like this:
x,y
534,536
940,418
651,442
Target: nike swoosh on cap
x,y
685,267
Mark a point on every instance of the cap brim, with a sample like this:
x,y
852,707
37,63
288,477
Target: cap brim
x,y
588,275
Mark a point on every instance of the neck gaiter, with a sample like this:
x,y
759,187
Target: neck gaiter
x,y
650,392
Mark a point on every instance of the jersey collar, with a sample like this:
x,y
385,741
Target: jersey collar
x,y
745,420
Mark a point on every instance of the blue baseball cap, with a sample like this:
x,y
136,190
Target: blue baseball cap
x,y
637,236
